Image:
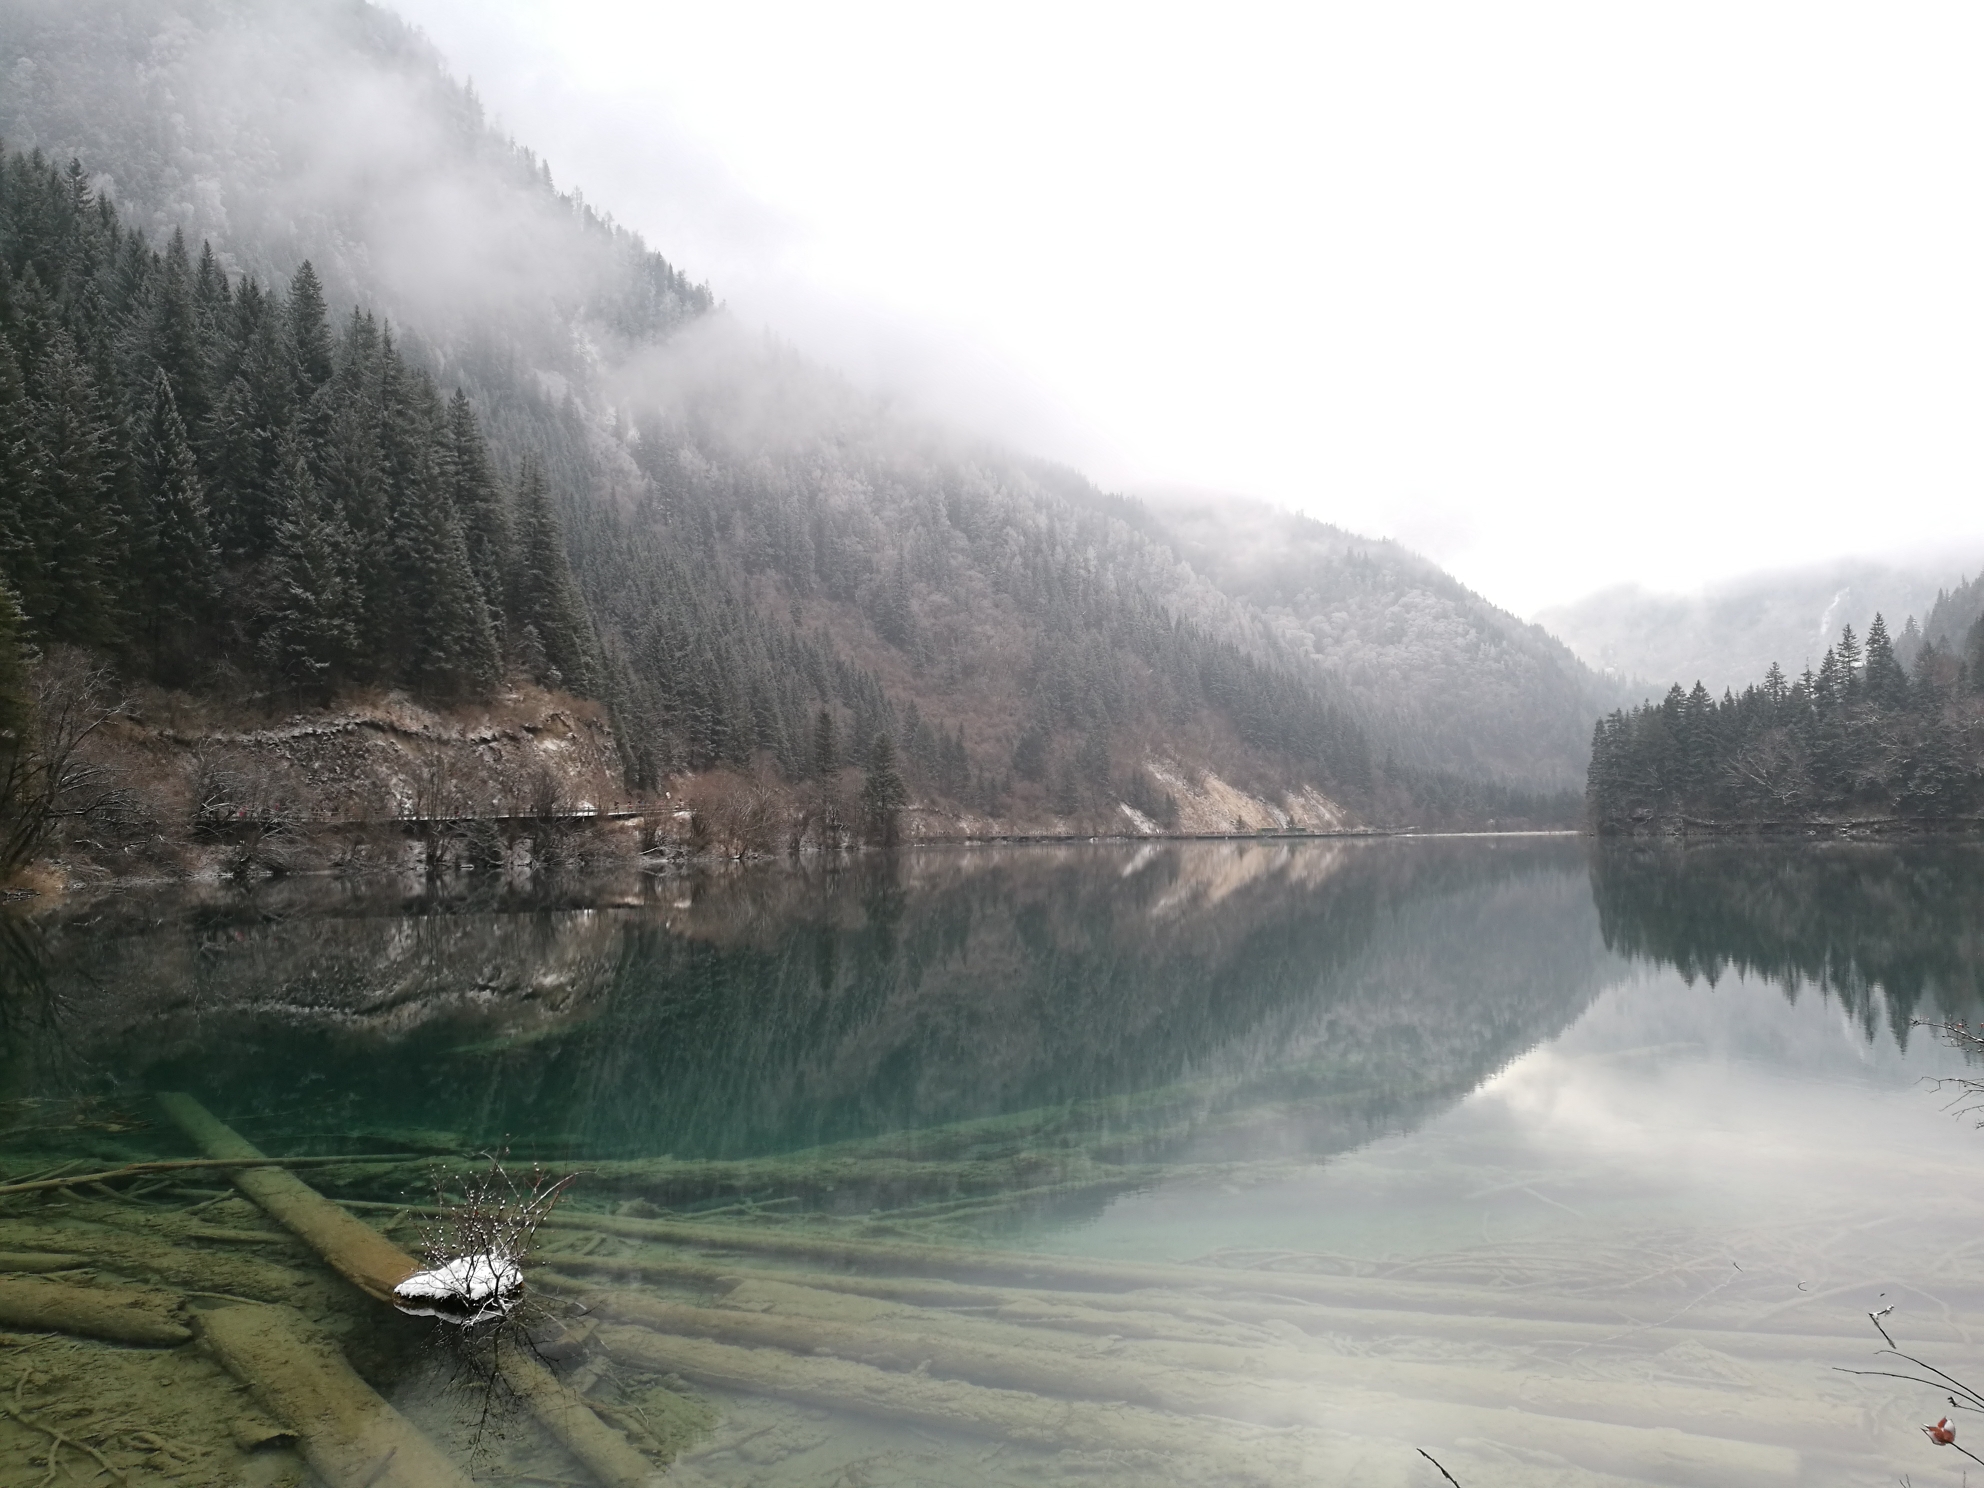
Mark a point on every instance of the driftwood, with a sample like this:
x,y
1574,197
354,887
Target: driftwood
x,y
350,1437
113,1313
375,1265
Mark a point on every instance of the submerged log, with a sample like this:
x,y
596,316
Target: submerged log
x,y
38,1260
1267,1384
112,1313
1239,1453
1202,1286
351,1438
356,1251
375,1265
1169,1314
146,1169
938,1404
146,1256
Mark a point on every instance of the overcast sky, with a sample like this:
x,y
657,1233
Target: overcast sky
x,y
1561,294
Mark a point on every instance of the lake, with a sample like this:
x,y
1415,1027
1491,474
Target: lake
x,y
1239,1162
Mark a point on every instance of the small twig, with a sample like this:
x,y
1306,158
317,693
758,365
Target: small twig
x,y
1436,1462
57,1440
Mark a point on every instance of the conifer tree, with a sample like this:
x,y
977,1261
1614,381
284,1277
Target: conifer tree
x,y
21,504
883,795
311,634
174,344
171,566
542,592
826,744
1886,684
479,505
450,647
309,330
16,690
75,442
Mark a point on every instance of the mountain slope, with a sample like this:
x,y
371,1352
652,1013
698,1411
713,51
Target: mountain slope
x,y
756,543
1439,676
1726,636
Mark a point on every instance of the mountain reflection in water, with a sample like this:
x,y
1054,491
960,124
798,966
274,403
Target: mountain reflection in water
x,y
756,1011
1573,1163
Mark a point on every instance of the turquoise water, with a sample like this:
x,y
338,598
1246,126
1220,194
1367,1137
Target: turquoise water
x,y
1566,1165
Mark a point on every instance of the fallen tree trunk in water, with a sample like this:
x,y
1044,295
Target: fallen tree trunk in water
x,y
112,1313
1163,1314
375,1266
1237,1452
350,1437
147,1257
1267,1384
146,1169
352,1248
35,1260
946,1405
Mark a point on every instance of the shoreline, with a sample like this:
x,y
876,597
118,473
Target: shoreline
x,y
651,865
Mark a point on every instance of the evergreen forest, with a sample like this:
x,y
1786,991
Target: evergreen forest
x,y
203,475
1860,737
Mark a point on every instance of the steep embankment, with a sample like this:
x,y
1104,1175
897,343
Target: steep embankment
x,y
377,783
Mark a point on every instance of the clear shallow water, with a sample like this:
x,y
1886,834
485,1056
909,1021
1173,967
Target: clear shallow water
x,y
1568,1166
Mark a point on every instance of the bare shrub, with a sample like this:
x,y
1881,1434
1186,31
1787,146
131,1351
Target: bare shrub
x,y
544,792
50,781
735,815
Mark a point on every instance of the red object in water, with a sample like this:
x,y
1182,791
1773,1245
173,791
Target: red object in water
x,y
1942,1433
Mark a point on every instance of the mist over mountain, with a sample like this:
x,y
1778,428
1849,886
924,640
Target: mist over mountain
x,y
1442,678
775,568
1727,635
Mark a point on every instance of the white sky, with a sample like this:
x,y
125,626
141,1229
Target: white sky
x,y
1561,294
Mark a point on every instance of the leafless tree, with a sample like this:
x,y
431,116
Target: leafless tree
x,y
50,779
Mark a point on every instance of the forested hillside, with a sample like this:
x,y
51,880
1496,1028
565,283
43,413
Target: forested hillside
x,y
1861,737
1949,623
1728,632
294,324
201,475
1442,678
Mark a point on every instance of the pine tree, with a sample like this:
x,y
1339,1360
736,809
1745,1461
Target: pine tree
x,y
172,564
1849,661
311,634
174,341
883,796
541,586
309,330
16,691
826,744
75,447
22,504
1886,684
478,503
451,648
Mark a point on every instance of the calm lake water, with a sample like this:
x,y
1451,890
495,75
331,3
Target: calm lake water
x,y
1202,1163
